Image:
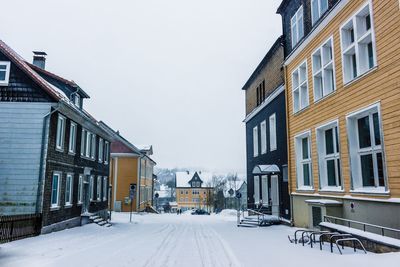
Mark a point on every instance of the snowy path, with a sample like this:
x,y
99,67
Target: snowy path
x,y
171,240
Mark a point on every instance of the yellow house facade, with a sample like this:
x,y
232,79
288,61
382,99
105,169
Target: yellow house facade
x,y
343,115
130,166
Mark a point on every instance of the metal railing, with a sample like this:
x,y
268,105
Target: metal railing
x,y
15,227
349,223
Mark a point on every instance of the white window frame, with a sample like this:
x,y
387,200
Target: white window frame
x,y
357,48
72,137
69,180
322,71
98,188
59,179
106,152
255,141
105,187
6,80
355,152
272,133
263,128
101,150
300,162
298,85
80,189
91,187
323,158
296,21
60,134
320,12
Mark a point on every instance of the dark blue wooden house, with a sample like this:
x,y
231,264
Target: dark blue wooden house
x,y
266,138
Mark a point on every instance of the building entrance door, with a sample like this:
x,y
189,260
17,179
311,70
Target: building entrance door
x,y
256,190
275,194
264,190
85,194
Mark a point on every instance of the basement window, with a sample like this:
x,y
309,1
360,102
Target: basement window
x,y
4,73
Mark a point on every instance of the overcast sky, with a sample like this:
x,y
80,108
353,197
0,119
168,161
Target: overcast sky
x,y
163,72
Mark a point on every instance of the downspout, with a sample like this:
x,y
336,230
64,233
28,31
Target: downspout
x,y
138,188
288,144
43,156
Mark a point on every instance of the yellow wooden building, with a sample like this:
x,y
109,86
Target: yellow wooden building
x,y
194,191
130,165
342,74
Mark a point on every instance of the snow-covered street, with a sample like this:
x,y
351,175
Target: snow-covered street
x,y
172,240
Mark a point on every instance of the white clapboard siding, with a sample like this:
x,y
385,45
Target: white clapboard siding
x,y
21,130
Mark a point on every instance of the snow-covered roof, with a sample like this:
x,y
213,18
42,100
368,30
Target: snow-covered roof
x,y
183,178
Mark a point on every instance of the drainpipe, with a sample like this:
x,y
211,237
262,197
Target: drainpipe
x,y
43,157
138,189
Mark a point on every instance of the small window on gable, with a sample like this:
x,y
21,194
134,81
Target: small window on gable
x,y
297,26
318,8
77,100
4,73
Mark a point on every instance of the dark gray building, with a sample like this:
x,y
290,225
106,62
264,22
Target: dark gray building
x,y
53,154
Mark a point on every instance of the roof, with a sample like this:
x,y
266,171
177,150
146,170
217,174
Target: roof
x,y
21,64
263,63
120,138
183,178
147,149
54,92
58,78
281,6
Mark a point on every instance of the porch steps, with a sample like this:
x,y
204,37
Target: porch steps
x,y
100,221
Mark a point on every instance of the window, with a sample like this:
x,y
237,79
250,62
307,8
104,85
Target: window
x,y
329,156
55,190
261,93
91,187
358,44
285,176
366,150
300,87
68,190
98,189
72,138
323,70
60,132
100,156
255,141
77,100
272,132
318,8
4,73
297,27
93,147
80,189
106,152
263,137
105,188
303,161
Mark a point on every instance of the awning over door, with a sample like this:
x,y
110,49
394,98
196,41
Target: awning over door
x,y
266,169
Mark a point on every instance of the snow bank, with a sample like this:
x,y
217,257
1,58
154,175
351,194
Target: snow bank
x,y
228,213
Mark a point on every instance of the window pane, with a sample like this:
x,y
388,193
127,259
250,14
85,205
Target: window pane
x,y
364,135
377,131
339,172
315,12
367,170
3,67
380,169
304,143
330,165
2,75
54,195
337,139
370,55
329,142
324,6
306,174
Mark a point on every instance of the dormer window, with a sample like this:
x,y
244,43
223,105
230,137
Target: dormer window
x,y
77,100
4,73
318,8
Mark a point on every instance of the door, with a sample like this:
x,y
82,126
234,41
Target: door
x,y
257,190
85,194
264,190
275,194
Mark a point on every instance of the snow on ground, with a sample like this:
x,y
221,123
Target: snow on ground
x,y
177,240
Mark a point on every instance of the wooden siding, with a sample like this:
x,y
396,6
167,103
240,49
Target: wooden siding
x,y
21,128
382,84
